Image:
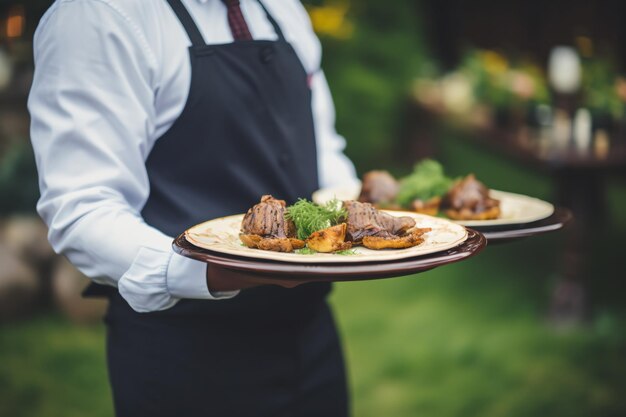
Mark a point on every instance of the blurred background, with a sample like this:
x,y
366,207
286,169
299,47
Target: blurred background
x,y
528,95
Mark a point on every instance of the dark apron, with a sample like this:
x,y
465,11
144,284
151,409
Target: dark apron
x,y
246,130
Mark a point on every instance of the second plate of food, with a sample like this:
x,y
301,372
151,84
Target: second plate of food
x,y
222,235
515,208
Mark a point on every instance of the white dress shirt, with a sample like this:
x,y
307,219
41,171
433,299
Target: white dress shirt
x,y
111,77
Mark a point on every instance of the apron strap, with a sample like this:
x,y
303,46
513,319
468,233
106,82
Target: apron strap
x,y
192,28
273,22
188,23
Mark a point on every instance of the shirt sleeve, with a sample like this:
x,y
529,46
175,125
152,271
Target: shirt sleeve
x,y
333,165
92,117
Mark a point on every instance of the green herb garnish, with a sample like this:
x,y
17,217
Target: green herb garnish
x,y
346,252
306,251
425,182
310,217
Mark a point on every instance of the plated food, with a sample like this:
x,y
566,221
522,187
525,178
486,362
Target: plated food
x,y
429,191
469,199
333,228
221,236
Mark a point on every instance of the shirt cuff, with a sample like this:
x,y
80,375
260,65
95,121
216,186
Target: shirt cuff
x,y
157,280
144,285
186,278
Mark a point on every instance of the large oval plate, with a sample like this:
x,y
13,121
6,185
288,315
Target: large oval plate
x,y
515,208
222,235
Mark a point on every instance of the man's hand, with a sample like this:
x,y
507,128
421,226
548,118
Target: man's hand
x,y
222,279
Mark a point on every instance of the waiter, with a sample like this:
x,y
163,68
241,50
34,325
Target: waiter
x,y
149,116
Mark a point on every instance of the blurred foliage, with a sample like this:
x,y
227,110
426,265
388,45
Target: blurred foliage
x,y
504,81
488,86
331,19
19,189
604,91
370,73
506,85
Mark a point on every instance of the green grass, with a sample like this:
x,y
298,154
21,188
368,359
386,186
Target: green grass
x,y
468,339
472,340
51,368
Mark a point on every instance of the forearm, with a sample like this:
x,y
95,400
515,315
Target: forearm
x,y
114,246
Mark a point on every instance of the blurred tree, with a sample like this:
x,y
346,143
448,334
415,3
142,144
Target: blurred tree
x,y
18,180
370,72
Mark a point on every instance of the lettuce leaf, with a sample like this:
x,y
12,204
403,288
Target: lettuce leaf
x,y
425,182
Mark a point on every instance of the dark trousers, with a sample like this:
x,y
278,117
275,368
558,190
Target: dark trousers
x,y
193,366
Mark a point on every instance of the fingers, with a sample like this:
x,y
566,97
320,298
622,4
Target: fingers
x,y
222,279
289,284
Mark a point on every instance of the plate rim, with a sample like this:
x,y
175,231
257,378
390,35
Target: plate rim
x,y
472,246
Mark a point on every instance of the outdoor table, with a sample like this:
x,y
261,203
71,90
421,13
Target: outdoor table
x,y
579,179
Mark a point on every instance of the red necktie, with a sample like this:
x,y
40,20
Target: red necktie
x,y
238,25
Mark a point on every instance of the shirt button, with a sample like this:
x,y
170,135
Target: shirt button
x,y
267,54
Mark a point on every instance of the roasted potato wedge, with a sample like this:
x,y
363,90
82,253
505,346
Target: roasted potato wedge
x,y
429,207
250,241
280,244
330,239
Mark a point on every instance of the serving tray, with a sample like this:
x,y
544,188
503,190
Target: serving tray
x,y
502,234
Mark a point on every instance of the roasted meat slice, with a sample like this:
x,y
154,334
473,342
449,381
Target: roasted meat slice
x,y
267,219
469,199
379,188
364,220
265,227
412,238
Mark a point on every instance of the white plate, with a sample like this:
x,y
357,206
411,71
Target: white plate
x,y
222,235
515,208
